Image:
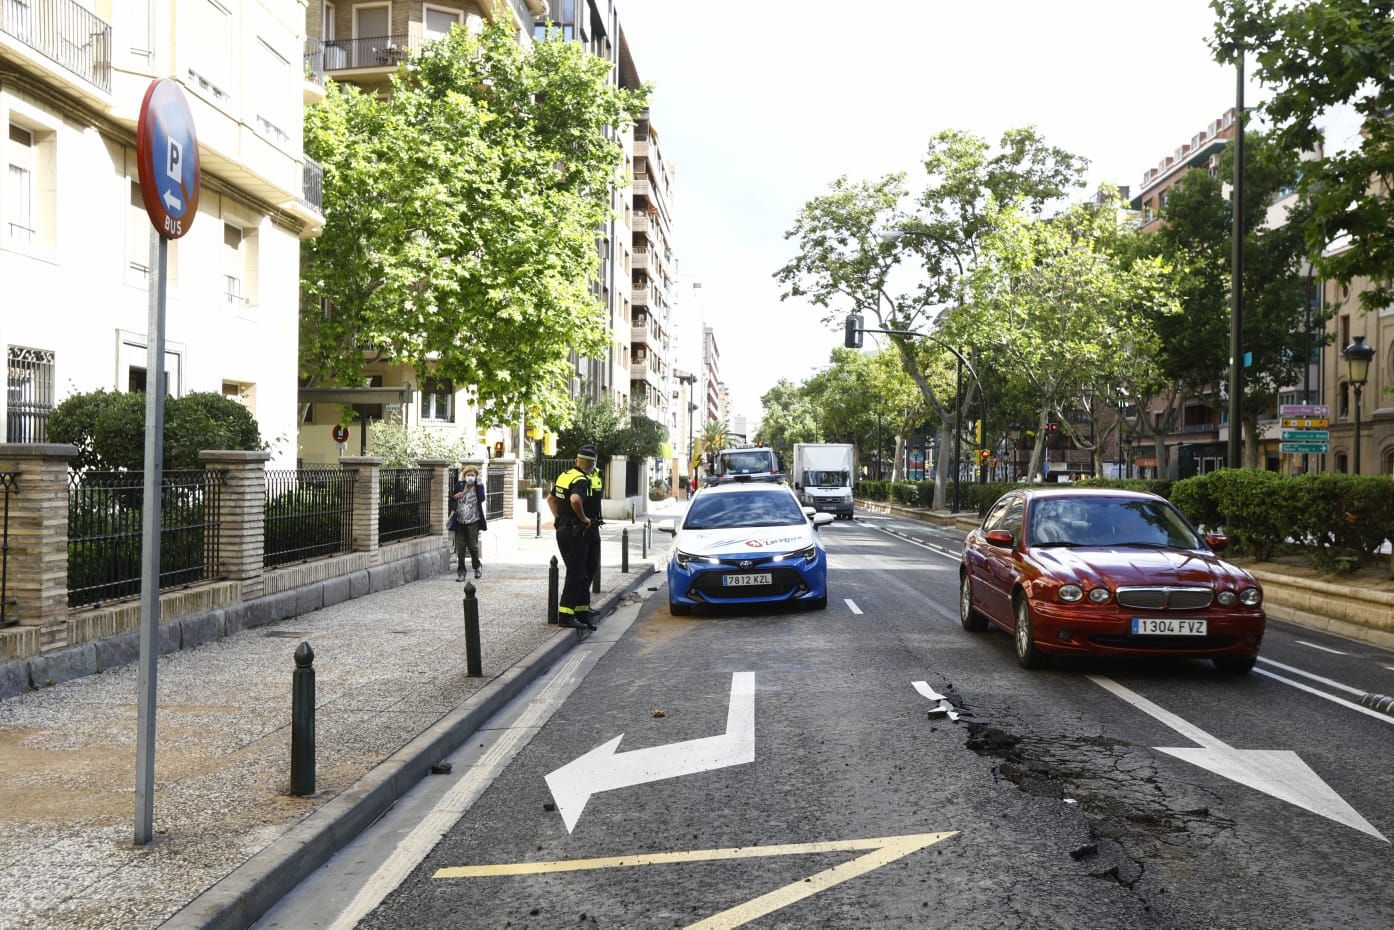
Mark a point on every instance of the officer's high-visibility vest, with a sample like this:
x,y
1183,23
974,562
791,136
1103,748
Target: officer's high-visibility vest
x,y
562,491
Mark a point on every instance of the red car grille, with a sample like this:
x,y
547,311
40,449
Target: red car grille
x,y
1164,598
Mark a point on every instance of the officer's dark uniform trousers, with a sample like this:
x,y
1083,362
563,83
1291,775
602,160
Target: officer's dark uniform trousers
x,y
575,542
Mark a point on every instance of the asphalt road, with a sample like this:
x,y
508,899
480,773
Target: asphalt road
x,y
1058,805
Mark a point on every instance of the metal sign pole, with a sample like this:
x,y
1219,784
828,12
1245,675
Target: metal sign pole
x,y
150,540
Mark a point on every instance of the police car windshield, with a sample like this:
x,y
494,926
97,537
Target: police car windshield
x,y
755,508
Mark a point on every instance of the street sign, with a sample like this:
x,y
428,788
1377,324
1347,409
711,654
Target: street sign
x,y
341,433
1306,422
1318,448
1306,435
167,158
1303,410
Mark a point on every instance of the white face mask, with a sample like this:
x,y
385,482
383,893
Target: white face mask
x,y
471,479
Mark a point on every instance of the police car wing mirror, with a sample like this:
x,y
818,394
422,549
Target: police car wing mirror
x,y
668,528
822,519
809,511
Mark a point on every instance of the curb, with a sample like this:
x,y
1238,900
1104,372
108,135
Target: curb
x,y
243,896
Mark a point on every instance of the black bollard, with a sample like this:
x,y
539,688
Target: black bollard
x,y
302,722
474,665
644,539
552,587
624,551
539,526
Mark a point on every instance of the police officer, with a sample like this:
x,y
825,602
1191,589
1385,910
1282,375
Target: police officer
x,y
575,506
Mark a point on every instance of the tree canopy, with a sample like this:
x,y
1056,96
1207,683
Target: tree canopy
x,y
460,218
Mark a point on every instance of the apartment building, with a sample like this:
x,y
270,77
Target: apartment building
x,y
74,236
1349,321
654,278
364,42
711,378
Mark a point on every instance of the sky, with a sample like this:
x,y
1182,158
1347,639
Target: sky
x,y
761,105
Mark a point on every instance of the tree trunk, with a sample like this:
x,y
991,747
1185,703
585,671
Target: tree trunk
x,y
898,465
1038,451
1250,437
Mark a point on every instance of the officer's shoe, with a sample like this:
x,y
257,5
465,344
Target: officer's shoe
x,y
585,623
459,574
571,623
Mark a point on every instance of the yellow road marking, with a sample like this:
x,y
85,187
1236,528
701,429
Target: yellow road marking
x,y
882,850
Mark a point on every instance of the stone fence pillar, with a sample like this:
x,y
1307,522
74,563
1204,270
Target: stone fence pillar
x,y
367,492
616,476
441,504
36,581
241,516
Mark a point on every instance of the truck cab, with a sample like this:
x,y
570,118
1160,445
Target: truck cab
x,y
755,464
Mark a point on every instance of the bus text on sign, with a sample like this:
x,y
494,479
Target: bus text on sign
x,y
167,159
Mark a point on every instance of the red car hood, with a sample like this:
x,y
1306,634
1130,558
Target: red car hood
x,y
1128,566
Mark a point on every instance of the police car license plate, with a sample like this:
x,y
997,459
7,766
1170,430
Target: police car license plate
x,y
1168,626
742,581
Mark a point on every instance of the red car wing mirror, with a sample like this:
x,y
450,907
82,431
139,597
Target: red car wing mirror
x,y
1001,538
1216,541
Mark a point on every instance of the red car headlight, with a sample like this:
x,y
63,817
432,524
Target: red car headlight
x,y
1250,597
1069,593
1099,595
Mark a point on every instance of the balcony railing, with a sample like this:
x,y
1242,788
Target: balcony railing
x,y
63,32
368,52
313,184
314,61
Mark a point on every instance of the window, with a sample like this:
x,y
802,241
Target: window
x,y
233,268
439,22
131,358
274,93
29,394
209,40
242,392
20,184
372,23
438,400
138,243
1343,409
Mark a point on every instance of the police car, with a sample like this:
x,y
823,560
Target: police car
x,y
747,543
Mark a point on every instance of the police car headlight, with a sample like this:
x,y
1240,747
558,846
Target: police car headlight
x,y
685,558
809,555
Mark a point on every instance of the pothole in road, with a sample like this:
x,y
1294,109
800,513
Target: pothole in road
x,y
1133,818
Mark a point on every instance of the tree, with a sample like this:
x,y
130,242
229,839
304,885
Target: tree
x,y
461,215
596,422
853,238
1068,298
787,418
715,436
1315,55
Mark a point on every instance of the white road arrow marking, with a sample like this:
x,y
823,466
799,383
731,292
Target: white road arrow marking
x,y
173,202
1276,772
930,694
603,769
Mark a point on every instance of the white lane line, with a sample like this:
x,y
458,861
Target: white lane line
x,y
948,555
453,805
1337,652
852,606
1326,681
1329,697
1390,667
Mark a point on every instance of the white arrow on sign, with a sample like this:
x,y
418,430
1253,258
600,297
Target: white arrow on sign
x,y
173,202
603,769
1277,772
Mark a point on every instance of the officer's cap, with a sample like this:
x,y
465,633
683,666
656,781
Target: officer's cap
x,y
587,452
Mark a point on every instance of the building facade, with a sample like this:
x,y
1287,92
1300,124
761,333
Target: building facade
x,y
75,241
711,377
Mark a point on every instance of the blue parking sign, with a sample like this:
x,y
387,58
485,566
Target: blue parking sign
x,y
167,159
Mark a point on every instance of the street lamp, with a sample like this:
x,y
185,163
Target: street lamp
x,y
1128,451
1358,356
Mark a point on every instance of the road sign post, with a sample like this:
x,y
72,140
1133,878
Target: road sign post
x,y
170,179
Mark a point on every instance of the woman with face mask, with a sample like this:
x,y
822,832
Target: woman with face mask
x,y
467,521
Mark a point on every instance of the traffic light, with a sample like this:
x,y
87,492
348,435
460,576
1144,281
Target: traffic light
x,y
852,338
984,455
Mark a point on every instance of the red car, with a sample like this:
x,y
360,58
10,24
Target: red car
x,y
1079,571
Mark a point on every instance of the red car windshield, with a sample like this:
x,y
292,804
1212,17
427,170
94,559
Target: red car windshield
x,y
1108,521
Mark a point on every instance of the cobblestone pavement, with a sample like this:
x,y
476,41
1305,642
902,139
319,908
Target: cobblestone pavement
x,y
387,666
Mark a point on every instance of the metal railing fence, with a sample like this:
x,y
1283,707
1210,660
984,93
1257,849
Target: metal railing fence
x,y
404,503
366,52
104,532
312,187
550,470
309,514
9,484
64,32
493,499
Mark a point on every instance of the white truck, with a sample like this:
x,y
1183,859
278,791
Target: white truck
x,y
822,476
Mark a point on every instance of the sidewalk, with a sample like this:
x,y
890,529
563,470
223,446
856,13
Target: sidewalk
x,y
388,666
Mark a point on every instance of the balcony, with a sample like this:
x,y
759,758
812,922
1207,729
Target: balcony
x,y
641,296
313,185
643,332
640,223
351,54
641,261
63,32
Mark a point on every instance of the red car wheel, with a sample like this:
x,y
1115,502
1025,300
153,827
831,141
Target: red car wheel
x,y
1027,655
